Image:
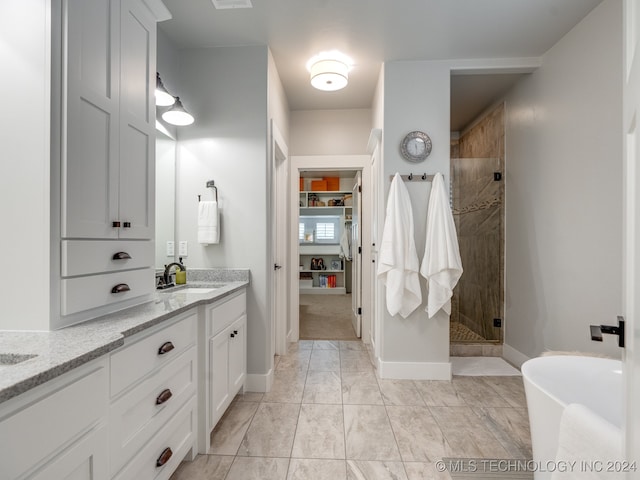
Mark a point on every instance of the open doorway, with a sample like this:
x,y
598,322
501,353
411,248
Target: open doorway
x,y
324,245
328,241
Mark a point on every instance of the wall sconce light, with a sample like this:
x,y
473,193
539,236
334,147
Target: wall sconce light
x,y
329,71
163,97
177,115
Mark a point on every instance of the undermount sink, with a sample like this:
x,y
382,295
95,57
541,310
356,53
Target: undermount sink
x,y
7,359
198,290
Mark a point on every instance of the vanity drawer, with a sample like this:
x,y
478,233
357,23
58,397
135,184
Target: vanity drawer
x,y
138,415
84,293
86,257
178,436
221,315
134,361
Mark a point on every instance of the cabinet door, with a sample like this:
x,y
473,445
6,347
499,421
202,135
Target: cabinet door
x,y
237,355
218,376
86,460
137,121
90,140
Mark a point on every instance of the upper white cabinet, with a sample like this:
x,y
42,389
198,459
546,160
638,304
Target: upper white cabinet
x,y
103,132
108,119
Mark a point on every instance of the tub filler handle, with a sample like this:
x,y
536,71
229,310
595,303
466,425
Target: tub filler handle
x,y
598,330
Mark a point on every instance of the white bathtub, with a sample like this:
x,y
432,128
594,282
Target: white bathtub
x,y
553,382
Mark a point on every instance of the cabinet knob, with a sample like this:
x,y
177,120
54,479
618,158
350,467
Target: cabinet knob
x,y
235,332
164,457
121,256
120,288
166,347
232,335
115,224
126,225
164,396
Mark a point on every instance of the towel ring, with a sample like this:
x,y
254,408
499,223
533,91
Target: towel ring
x,y
211,184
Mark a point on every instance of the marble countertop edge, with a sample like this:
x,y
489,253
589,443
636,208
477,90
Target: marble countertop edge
x,y
60,351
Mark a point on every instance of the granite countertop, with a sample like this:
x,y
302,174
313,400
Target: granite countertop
x,y
60,351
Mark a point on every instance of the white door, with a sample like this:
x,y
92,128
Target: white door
x,y
280,320
356,253
631,262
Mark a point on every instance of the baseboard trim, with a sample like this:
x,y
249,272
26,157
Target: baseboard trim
x,y
415,370
513,356
259,382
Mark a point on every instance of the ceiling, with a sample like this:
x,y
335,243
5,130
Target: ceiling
x,y
375,31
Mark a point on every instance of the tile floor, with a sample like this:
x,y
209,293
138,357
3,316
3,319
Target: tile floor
x,y
329,417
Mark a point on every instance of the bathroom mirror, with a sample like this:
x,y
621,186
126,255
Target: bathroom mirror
x,y
165,197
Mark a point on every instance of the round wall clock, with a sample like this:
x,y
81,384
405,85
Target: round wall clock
x,y
415,146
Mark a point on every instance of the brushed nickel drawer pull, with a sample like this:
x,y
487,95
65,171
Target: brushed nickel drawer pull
x,y
165,348
121,256
164,457
164,396
120,288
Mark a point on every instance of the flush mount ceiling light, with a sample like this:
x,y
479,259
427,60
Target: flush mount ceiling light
x,y
225,4
177,115
329,71
163,97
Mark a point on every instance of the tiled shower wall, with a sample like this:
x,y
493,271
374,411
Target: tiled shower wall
x,y
478,204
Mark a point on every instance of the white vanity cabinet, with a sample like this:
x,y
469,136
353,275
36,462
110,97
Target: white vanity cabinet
x,y
106,69
153,401
59,429
223,360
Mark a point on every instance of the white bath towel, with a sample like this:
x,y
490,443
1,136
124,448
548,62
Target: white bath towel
x,y
208,222
441,264
587,446
397,259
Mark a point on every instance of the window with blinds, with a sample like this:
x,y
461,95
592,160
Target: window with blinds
x,y
324,229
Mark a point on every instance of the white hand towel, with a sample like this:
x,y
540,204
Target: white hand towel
x,y
345,243
441,264
585,440
397,259
208,222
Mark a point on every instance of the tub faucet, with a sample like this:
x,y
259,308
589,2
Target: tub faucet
x,y
598,330
166,277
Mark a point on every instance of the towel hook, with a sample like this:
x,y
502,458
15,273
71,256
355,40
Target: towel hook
x,y
410,176
424,176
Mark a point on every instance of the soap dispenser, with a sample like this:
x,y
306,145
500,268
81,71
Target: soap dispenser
x,y
181,275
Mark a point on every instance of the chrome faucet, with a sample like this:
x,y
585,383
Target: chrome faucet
x,y
166,277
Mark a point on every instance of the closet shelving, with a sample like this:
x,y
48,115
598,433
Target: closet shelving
x,y
323,203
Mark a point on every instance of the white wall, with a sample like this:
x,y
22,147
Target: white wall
x,y
25,55
564,192
277,104
416,97
226,91
330,132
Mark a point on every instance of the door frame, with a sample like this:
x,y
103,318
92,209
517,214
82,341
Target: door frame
x,y
631,228
335,163
280,286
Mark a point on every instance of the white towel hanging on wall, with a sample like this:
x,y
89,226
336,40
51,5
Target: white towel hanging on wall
x,y
441,264
397,259
208,223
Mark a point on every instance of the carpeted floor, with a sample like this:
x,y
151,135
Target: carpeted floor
x,y
326,317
